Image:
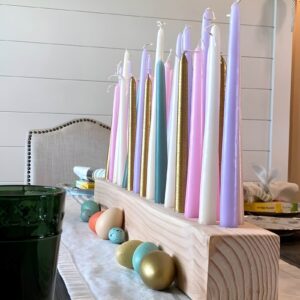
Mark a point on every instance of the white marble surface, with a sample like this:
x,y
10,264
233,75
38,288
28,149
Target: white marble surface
x,y
88,267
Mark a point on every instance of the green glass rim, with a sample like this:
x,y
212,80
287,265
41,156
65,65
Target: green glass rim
x,y
13,191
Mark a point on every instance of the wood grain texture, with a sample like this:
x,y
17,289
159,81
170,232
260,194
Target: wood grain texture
x,y
212,262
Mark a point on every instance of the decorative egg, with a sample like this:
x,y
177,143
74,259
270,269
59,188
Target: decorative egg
x,y
157,270
85,215
93,219
112,217
125,252
91,205
116,235
140,252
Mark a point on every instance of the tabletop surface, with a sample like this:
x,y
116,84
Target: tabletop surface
x,y
289,252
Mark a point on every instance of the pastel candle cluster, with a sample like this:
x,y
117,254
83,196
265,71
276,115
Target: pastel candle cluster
x,y
166,143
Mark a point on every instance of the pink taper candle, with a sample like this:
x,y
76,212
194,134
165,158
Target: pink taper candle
x,y
196,140
230,171
113,133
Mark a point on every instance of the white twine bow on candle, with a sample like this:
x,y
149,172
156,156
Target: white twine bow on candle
x,y
161,24
116,74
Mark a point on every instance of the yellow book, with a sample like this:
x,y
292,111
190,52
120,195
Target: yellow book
x,y
271,207
85,185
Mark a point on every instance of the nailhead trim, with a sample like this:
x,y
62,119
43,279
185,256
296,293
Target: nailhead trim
x,y
57,128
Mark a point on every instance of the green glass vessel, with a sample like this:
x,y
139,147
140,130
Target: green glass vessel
x,y
30,228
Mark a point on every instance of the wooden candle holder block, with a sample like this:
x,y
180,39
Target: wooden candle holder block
x,y
212,262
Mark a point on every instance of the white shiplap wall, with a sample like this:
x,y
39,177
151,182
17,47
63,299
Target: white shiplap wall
x,y
56,56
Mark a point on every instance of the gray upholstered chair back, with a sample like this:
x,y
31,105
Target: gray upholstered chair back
x,y
52,153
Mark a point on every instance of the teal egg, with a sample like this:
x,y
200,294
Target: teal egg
x,y
140,252
116,235
85,215
90,205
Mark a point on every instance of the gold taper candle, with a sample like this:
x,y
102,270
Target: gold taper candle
x,y
222,99
145,140
182,136
131,132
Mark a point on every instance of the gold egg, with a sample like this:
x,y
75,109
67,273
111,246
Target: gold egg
x,y
125,252
157,270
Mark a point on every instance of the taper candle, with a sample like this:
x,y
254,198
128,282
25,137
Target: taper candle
x,y
187,48
146,130
168,76
122,137
131,132
182,136
230,170
125,175
221,121
161,155
222,100
152,137
139,125
209,187
107,163
196,141
207,18
172,131
113,133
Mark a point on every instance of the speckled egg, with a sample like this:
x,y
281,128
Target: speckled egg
x,y
116,235
112,217
91,205
125,252
140,252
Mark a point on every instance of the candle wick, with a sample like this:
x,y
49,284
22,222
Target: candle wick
x,y
147,45
109,88
169,56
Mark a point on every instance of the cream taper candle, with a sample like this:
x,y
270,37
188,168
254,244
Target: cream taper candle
x,y
209,187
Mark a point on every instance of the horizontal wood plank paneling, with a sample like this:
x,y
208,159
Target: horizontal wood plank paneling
x,y
76,63
21,123
12,164
254,12
73,28
61,96
56,57
55,96
255,135
11,182
255,104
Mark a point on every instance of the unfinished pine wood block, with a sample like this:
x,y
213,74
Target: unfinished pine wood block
x,y
212,262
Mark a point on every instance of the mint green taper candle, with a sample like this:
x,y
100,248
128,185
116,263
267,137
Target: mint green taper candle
x,y
125,176
161,156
